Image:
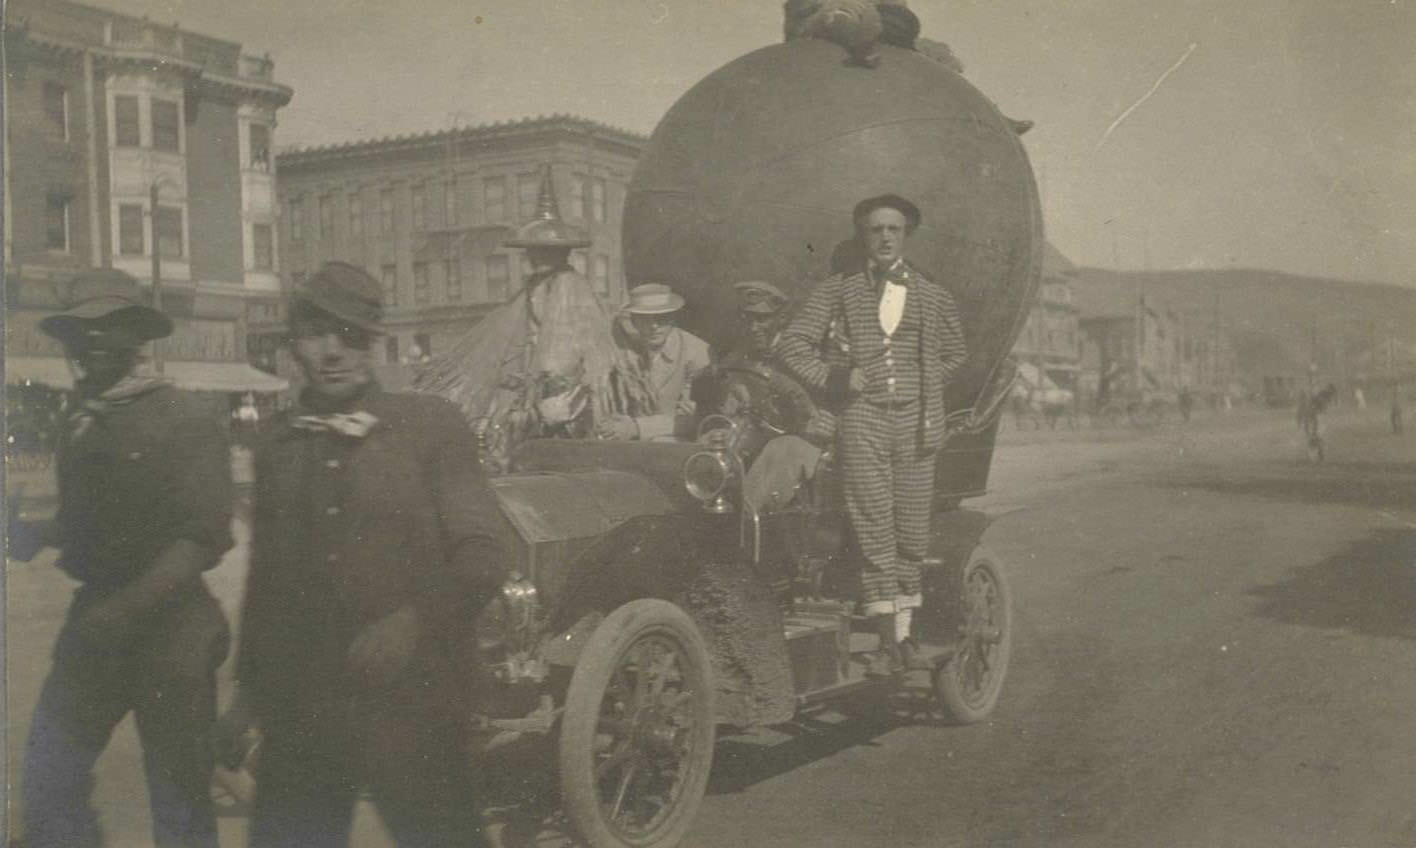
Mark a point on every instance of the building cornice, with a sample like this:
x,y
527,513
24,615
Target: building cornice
x,y
156,60
551,126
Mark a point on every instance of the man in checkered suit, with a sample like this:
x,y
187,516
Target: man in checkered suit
x,y
903,343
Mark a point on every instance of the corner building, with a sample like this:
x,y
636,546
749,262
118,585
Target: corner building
x,y
104,113
427,213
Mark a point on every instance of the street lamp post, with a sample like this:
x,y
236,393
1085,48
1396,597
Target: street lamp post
x,y
156,272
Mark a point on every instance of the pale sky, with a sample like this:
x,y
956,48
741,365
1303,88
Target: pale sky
x,y
1286,140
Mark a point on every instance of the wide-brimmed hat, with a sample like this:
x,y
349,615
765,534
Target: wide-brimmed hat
x,y
888,201
653,299
110,320
347,292
546,228
759,297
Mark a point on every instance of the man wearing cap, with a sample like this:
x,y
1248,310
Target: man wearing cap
x,y
144,508
748,379
664,360
903,342
374,546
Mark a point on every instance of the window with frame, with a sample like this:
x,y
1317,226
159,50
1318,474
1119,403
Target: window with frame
x,y
56,109
56,221
527,188
296,217
418,201
494,199
389,278
450,203
598,207
422,288
356,215
326,217
168,227
386,211
262,247
127,130
498,278
452,276
259,136
166,125
602,274
576,207
130,230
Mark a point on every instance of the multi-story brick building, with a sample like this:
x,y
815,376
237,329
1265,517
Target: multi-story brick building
x,y
426,214
125,137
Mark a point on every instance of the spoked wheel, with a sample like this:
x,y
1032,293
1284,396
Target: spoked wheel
x,y
968,685
636,740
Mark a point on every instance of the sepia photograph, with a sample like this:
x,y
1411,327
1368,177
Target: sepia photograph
x,y
709,423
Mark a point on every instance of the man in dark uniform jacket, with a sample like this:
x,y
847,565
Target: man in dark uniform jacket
x,y
375,542
904,342
144,508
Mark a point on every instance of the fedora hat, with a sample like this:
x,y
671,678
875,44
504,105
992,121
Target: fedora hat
x,y
110,320
653,299
546,228
347,292
888,201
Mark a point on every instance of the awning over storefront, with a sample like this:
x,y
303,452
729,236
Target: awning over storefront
x,y
196,376
222,377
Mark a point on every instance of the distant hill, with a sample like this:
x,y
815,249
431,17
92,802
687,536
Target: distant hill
x,y
1271,318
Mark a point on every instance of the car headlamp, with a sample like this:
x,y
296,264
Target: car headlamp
x,y
706,474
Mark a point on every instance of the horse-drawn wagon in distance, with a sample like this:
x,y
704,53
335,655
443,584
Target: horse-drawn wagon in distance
x,y
658,599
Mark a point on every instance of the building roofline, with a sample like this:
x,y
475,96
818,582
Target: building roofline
x,y
152,59
297,156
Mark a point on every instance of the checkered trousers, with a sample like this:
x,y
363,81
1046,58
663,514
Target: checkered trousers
x,y
889,488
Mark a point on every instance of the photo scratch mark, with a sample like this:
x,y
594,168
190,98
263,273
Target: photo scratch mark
x,y
1172,69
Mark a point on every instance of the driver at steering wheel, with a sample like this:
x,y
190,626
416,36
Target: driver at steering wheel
x,y
747,385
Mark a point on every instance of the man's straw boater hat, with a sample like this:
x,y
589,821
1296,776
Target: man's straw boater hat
x,y
546,228
653,299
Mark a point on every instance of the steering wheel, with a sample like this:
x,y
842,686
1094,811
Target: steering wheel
x,y
766,396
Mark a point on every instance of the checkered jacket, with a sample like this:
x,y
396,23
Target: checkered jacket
x,y
845,307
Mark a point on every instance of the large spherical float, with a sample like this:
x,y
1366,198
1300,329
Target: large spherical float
x,y
753,174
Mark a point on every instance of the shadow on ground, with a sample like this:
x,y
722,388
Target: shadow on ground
x,y
1373,484
1368,588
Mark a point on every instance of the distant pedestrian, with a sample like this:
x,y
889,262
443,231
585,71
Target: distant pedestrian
x,y
144,508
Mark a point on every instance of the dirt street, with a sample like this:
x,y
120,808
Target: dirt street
x,y
1214,646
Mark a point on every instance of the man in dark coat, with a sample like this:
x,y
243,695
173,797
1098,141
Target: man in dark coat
x,y
144,508
904,342
375,542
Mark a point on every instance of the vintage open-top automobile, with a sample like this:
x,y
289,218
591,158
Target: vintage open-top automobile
x,y
658,600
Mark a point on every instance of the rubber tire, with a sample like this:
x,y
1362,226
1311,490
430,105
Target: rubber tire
x,y
576,746
960,706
